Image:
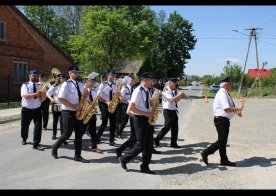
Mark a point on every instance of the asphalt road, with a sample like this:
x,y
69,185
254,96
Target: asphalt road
x,y
21,167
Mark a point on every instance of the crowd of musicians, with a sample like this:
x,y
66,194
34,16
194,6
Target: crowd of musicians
x,y
137,98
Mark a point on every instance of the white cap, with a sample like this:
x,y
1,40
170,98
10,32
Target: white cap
x,y
92,76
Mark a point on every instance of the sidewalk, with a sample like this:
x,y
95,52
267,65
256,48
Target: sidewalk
x,y
8,115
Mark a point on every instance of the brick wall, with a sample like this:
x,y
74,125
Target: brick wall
x,y
23,43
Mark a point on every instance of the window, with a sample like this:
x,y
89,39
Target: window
x,y
2,30
20,72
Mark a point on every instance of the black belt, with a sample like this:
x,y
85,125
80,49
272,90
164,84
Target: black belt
x,y
221,117
32,109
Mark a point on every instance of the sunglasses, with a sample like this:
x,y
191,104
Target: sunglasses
x,y
76,72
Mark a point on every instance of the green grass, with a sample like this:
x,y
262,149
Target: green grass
x,y
11,105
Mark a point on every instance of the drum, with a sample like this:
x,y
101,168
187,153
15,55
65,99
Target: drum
x,y
57,107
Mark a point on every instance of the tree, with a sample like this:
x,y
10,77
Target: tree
x,y
49,23
234,72
112,34
176,41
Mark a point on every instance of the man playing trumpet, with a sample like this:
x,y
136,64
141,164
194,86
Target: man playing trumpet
x,y
169,103
224,109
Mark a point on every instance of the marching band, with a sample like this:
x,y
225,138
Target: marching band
x,y
74,103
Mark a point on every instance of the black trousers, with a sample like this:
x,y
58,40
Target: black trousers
x,y
222,125
45,111
27,115
112,122
57,116
144,135
90,127
122,118
132,139
70,123
171,123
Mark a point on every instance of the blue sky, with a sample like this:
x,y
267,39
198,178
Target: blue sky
x,y
217,43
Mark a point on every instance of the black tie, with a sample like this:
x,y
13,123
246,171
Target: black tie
x,y
231,100
90,97
78,88
174,94
110,92
34,87
147,99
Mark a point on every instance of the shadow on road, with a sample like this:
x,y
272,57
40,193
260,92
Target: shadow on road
x,y
256,161
188,169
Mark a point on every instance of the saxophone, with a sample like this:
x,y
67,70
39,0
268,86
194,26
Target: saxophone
x,y
83,103
92,109
154,111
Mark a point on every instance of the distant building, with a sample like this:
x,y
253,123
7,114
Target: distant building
x,y
24,47
253,73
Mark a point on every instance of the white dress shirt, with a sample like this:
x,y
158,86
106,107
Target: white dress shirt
x,y
104,95
53,91
167,103
126,93
223,101
139,98
27,88
69,92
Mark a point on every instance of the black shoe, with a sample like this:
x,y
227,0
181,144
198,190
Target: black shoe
x,y
123,165
54,152
155,151
65,143
147,171
118,152
112,144
120,136
228,163
175,146
156,142
204,157
35,147
54,137
24,142
80,159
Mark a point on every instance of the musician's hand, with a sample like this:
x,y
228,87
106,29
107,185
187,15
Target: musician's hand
x,y
52,100
148,114
241,108
182,94
108,103
76,107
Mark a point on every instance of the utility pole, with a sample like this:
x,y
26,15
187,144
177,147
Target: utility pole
x,y
252,34
228,63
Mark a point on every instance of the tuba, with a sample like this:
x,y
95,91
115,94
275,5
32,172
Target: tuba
x,y
154,112
44,84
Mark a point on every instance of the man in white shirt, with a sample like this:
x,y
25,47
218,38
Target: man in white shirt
x,y
140,110
69,96
52,94
104,102
169,104
122,117
224,109
31,109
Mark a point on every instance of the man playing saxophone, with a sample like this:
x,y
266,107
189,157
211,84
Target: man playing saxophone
x,y
104,102
69,97
90,126
169,104
139,108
